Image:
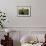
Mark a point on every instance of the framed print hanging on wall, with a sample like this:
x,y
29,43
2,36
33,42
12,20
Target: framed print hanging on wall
x,y
23,11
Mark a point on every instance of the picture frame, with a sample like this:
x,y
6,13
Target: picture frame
x,y
24,11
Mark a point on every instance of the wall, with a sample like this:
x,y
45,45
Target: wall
x,y
38,13
37,20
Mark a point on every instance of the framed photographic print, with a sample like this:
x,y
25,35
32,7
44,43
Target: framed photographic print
x,y
23,11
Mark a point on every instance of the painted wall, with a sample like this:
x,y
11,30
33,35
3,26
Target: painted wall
x,y
38,13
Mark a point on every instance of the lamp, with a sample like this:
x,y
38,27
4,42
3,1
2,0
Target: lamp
x,y
7,30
